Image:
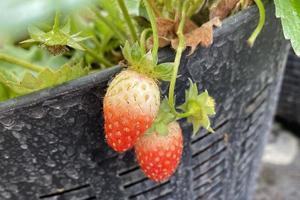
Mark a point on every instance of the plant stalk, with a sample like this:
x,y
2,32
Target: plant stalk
x,y
96,56
182,115
154,29
180,48
128,19
20,62
262,18
143,39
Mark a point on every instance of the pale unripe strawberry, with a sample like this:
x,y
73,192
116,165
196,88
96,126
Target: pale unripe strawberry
x,y
130,106
159,154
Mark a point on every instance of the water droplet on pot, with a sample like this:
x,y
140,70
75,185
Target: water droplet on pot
x,y
24,146
37,112
16,134
39,132
6,195
72,173
46,180
50,163
70,151
57,111
61,147
1,138
71,120
54,150
228,103
52,138
6,156
13,188
7,122
28,126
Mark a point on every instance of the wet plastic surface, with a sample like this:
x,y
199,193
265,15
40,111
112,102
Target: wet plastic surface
x,y
289,101
52,145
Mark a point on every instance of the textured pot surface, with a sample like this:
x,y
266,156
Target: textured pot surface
x,y
289,100
52,145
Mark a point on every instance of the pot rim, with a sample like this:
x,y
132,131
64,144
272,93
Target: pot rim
x,y
228,25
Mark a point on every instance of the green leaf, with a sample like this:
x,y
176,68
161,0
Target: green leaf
x,y
136,53
67,27
3,92
35,33
289,13
163,118
164,71
143,63
16,81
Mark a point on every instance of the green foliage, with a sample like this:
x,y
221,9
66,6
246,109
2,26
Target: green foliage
x,y
289,13
15,15
16,80
163,118
143,63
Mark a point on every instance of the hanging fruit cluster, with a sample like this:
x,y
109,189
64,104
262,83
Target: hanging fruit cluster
x,y
135,117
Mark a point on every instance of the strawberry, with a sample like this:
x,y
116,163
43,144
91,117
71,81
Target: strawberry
x,y
159,154
130,105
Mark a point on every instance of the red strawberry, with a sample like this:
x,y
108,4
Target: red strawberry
x,y
159,155
130,105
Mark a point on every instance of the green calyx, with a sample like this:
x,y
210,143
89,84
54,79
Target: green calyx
x,y
199,107
145,64
163,119
57,39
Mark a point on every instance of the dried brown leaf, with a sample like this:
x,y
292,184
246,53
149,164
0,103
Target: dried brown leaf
x,y
241,5
222,8
162,42
188,27
201,36
166,29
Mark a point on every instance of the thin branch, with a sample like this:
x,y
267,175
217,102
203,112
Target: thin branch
x,y
129,21
20,62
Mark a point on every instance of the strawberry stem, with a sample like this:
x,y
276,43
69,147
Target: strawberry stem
x,y
154,29
23,63
183,115
128,20
262,17
143,39
180,48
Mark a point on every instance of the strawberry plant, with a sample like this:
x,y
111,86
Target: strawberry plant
x,y
132,112
118,31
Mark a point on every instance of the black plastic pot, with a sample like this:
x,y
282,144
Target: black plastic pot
x,y
52,145
289,101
